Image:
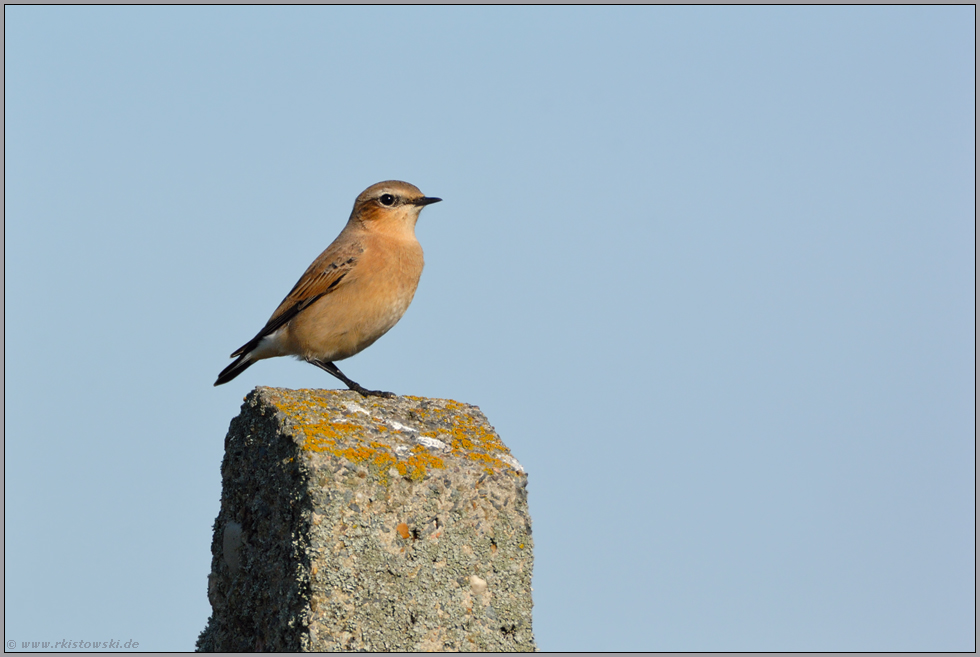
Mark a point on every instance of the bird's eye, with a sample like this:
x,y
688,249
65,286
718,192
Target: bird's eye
x,y
387,199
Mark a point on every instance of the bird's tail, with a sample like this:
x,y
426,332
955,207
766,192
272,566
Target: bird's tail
x,y
243,362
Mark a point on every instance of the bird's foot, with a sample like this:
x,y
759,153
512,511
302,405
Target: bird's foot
x,y
353,385
364,392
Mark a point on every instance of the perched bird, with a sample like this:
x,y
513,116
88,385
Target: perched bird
x,y
353,293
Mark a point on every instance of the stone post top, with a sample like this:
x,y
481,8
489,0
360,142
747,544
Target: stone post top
x,y
405,436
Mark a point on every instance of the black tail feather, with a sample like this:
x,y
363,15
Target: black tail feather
x,y
233,370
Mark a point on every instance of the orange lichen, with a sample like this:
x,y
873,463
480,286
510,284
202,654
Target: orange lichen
x,y
415,466
466,437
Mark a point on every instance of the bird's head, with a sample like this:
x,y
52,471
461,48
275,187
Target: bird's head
x,y
390,204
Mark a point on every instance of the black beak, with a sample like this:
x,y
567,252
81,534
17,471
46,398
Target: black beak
x,y
426,200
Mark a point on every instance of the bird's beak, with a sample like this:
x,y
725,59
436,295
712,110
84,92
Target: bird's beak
x,y
426,200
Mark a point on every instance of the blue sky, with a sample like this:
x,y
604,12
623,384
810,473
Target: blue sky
x,y
709,271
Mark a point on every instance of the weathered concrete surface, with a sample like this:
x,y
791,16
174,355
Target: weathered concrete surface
x,y
368,524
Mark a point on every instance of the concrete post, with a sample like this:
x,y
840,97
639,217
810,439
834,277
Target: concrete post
x,y
368,524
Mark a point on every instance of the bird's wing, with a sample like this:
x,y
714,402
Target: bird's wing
x,y
328,272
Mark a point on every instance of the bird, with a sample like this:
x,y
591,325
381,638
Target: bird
x,y
353,293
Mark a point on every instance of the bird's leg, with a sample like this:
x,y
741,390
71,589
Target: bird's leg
x,y
353,385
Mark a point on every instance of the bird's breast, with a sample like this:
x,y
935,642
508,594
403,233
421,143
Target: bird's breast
x,y
380,288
